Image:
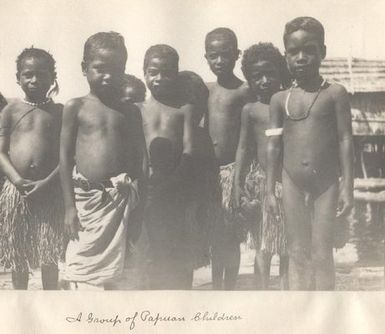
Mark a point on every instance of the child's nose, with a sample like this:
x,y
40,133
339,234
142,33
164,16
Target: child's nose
x,y
301,56
219,60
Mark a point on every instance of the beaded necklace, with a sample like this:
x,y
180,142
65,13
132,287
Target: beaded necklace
x,y
306,115
38,104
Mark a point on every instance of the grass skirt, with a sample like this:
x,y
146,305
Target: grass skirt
x,y
30,228
267,232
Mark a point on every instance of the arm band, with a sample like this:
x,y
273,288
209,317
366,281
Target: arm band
x,y
274,132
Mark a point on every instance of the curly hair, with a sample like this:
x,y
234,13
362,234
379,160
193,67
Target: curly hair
x,y
223,33
160,51
307,23
104,40
267,52
45,56
137,84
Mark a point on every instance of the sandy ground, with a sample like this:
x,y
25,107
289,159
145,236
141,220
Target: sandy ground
x,y
349,275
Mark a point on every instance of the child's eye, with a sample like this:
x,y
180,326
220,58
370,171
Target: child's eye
x,y
310,49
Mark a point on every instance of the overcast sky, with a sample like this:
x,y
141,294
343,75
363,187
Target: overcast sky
x,y
353,27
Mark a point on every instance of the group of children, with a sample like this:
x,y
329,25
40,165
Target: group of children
x,y
194,167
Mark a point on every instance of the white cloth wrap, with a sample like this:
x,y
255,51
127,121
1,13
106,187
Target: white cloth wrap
x,y
274,132
98,256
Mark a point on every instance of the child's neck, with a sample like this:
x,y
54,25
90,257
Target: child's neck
x,y
36,100
229,81
265,99
311,83
171,99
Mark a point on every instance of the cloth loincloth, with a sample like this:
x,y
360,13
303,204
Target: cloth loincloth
x,y
98,256
268,233
31,229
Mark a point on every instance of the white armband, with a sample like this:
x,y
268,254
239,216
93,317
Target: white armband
x,y
274,132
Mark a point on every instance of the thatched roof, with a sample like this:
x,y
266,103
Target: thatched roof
x,y
356,74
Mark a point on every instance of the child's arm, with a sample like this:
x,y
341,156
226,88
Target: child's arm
x,y
274,147
67,154
242,157
35,186
344,128
5,164
140,172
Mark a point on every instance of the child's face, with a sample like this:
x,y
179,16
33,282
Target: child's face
x,y
129,95
221,55
304,54
35,79
264,78
161,75
104,71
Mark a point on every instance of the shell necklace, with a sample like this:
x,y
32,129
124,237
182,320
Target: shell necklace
x,y
306,115
33,104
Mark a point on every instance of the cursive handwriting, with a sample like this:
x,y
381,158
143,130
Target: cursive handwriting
x,y
146,316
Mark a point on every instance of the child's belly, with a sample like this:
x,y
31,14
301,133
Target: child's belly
x,y
311,157
103,158
34,158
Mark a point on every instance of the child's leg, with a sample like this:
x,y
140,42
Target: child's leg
x,y
232,262
217,264
284,272
298,223
262,269
50,276
20,280
325,208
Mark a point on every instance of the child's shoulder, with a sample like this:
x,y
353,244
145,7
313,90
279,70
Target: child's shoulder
x,y
75,103
13,103
336,90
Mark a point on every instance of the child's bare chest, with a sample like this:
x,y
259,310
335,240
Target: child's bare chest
x,y
309,107
225,103
34,122
102,122
164,120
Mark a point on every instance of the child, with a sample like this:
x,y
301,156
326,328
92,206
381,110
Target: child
x,y
133,90
265,71
168,129
317,147
31,202
226,99
3,102
203,167
100,167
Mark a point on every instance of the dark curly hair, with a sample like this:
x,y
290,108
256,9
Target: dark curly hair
x,y
104,40
307,23
33,52
160,51
267,52
223,33
137,84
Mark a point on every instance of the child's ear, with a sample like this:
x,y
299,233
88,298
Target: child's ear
x,y
17,79
323,51
239,52
84,67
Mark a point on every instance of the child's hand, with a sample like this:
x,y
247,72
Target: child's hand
x,y
272,206
34,186
72,225
345,203
22,185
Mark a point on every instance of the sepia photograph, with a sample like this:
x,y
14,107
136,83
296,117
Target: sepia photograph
x,y
192,166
